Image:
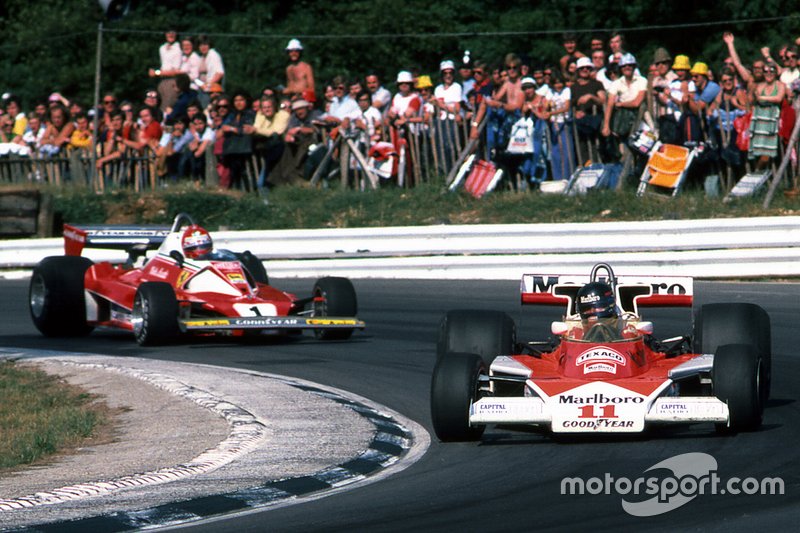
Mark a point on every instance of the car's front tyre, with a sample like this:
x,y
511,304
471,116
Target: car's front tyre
x,y
737,379
334,297
454,388
155,314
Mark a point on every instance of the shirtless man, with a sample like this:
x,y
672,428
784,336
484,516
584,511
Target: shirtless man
x,y
509,97
299,74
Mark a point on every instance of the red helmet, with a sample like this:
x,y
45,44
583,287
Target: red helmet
x,y
196,242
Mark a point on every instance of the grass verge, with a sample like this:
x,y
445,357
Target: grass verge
x,y
428,204
41,415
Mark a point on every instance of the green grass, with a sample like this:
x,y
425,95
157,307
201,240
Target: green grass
x,y
41,415
294,207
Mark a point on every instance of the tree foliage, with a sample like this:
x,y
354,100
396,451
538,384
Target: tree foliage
x,y
51,44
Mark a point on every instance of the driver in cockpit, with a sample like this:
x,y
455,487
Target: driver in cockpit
x,y
600,316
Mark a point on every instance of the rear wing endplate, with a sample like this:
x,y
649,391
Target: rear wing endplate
x,y
128,238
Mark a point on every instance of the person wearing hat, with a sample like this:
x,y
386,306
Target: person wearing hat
x,y
300,135
662,60
625,96
299,74
587,100
406,104
465,72
680,86
449,93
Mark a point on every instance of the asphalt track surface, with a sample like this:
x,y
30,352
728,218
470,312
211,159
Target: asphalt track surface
x,y
510,480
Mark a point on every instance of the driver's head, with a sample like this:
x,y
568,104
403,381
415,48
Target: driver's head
x,y
196,242
595,301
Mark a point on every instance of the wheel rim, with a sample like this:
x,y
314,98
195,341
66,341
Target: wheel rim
x,y
38,296
320,303
138,314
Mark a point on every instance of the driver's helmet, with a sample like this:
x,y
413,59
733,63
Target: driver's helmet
x,y
595,300
196,242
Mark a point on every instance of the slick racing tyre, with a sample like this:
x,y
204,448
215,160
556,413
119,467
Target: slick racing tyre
x,y
155,314
334,297
56,296
253,265
486,333
455,386
737,380
736,323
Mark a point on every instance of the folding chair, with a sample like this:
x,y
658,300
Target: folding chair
x,y
479,177
748,185
584,179
666,169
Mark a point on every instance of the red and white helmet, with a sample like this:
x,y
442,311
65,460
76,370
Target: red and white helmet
x,y
196,242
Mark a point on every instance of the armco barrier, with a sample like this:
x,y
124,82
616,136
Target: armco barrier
x,y
719,248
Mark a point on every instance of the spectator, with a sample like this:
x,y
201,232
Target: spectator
x,y
238,146
588,98
597,43
767,97
406,104
562,161
381,97
108,105
186,96
169,54
299,74
466,75
150,132
299,136
617,46
448,97
748,77
212,69
790,71
129,125
503,107
220,113
693,123
18,118
570,44
599,64
81,138
626,95
424,87
193,159
112,146
153,101
369,123
730,103
343,108
34,133
173,143
270,125
58,132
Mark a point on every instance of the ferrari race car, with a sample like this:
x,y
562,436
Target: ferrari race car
x,y
186,287
603,371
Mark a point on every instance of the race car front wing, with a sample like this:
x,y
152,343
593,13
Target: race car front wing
x,y
268,322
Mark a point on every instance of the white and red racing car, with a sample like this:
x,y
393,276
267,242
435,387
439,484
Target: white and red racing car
x,y
603,371
186,287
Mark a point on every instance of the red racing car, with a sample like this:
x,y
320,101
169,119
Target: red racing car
x,y
603,371
186,287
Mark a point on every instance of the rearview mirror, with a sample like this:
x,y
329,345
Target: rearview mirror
x,y
177,256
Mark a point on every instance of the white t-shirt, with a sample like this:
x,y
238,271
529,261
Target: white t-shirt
x,y
210,66
170,56
557,101
626,92
400,104
449,96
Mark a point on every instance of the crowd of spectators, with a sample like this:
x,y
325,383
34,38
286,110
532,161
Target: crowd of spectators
x,y
537,120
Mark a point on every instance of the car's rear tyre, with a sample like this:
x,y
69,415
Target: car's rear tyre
x,y
56,296
334,297
253,265
486,333
737,380
155,314
454,387
736,323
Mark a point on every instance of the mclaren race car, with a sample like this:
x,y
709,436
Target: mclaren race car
x,y
602,371
186,287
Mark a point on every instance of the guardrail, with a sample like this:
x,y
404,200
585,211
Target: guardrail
x,y
718,248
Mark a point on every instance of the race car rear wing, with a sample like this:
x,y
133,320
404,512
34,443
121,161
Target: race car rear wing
x,y
632,291
133,239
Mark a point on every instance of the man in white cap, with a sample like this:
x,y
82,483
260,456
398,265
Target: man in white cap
x,y
299,74
587,100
